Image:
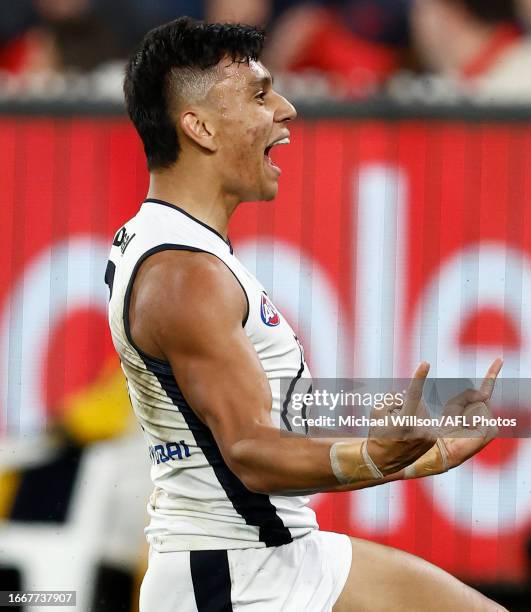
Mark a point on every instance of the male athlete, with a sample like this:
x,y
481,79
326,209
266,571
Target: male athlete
x,y
230,528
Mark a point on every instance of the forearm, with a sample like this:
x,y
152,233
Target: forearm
x,y
429,464
283,463
291,464
434,461
366,484
439,459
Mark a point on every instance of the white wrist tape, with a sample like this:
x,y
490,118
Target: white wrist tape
x,y
435,461
336,467
376,473
351,462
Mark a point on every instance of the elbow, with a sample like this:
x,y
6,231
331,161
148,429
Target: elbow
x,y
241,464
255,483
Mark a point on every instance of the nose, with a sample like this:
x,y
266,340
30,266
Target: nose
x,y
285,110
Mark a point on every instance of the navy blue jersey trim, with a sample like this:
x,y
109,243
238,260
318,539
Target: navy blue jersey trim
x,y
142,259
255,508
109,276
211,579
291,388
304,412
185,212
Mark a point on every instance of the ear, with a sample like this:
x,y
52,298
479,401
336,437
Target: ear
x,y
199,129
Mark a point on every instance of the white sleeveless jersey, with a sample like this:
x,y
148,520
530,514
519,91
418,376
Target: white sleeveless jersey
x,y
197,502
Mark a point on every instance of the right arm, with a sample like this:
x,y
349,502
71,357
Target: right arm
x,y
188,308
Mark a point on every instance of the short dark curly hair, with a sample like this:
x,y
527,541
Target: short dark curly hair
x,y
169,61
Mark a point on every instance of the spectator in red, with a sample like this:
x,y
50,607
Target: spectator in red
x,y
40,36
55,35
323,37
476,45
353,43
16,18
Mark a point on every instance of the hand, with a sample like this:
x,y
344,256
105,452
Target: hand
x,y
392,448
459,447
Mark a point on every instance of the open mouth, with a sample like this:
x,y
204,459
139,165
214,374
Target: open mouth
x,y
267,150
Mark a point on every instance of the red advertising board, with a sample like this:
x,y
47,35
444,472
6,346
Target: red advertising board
x,y
388,243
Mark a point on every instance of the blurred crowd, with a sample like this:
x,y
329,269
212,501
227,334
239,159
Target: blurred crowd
x,y
347,49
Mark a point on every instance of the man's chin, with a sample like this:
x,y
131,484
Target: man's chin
x,y
270,192
265,193
269,198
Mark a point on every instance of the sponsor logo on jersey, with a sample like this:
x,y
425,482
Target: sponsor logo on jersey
x,y
122,239
171,451
268,312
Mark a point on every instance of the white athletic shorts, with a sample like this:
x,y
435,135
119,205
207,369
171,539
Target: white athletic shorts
x,y
306,575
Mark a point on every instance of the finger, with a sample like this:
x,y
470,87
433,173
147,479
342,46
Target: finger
x,y
469,396
487,386
416,386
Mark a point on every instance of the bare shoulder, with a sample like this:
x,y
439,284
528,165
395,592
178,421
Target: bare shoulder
x,y
181,295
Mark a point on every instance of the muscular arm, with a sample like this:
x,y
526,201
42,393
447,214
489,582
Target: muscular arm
x,y
188,308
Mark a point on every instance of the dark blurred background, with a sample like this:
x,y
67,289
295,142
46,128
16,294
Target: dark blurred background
x,y
347,49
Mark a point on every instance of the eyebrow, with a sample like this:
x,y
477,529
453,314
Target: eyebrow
x,y
263,82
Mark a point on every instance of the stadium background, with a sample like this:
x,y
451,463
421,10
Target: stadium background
x,y
402,231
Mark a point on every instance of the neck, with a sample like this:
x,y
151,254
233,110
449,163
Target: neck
x,y
192,187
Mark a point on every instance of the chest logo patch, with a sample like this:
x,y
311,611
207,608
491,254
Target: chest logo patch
x,y
268,312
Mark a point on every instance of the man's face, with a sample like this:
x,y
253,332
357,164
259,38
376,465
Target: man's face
x,y
249,117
